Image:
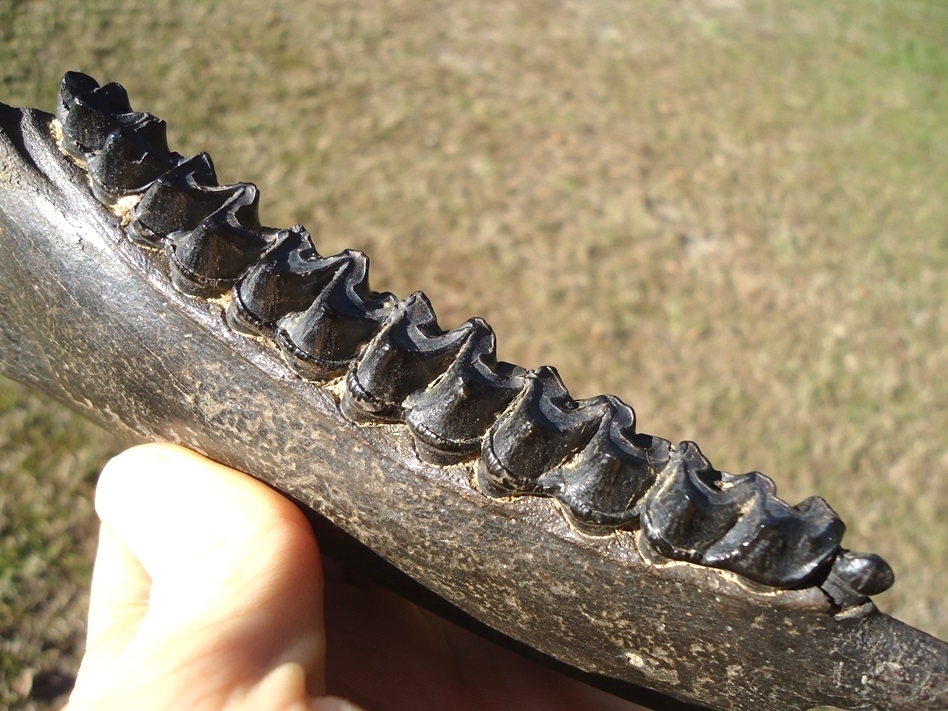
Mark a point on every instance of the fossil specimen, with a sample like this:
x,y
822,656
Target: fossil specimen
x,y
246,343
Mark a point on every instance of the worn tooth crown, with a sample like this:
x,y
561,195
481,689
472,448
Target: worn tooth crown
x,y
90,116
602,486
286,279
737,523
448,387
178,200
535,434
321,342
448,419
408,352
132,157
208,260
73,84
694,506
785,546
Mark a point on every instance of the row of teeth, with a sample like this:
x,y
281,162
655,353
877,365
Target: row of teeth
x,y
527,435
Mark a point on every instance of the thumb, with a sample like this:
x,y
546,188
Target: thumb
x,y
207,582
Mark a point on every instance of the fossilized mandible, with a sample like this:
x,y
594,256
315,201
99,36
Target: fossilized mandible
x,y
143,293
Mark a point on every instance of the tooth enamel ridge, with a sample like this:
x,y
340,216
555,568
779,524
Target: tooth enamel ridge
x,y
523,431
449,419
285,279
179,199
408,352
72,86
321,342
132,158
736,522
584,453
208,260
537,433
89,115
602,488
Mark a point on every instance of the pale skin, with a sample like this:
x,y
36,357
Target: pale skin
x,y
208,594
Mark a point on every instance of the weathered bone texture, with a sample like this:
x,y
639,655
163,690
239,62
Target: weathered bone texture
x,y
656,553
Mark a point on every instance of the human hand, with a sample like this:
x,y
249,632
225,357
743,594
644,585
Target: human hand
x,y
208,594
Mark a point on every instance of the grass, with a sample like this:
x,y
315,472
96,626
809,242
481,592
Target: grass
x,y
732,214
47,539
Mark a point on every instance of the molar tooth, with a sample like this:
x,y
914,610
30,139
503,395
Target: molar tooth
x,y
286,279
737,523
73,84
780,545
132,157
601,488
90,116
321,342
694,505
208,260
540,429
449,419
409,351
178,200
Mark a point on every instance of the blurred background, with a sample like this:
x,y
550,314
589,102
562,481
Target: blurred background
x,y
733,214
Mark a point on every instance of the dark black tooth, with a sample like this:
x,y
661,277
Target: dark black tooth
x,y
536,434
179,200
132,157
449,419
602,486
73,84
781,545
92,116
285,280
406,355
855,576
321,342
208,260
737,523
694,505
